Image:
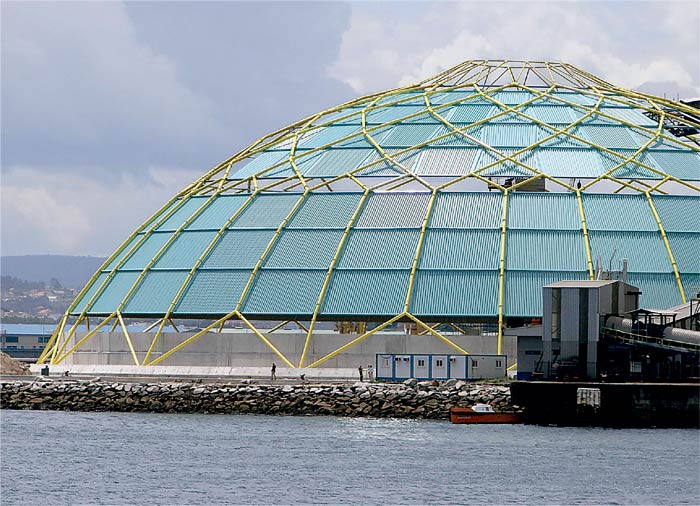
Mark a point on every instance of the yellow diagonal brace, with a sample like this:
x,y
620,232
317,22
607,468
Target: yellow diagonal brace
x,y
128,338
329,273
265,340
584,227
77,345
437,334
502,272
419,250
54,337
668,246
190,339
357,340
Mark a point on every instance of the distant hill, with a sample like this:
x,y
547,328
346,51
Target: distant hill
x,y
70,271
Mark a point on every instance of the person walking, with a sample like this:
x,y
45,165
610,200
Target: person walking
x,y
361,376
370,373
273,375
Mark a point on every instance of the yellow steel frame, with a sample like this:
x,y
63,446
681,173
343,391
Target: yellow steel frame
x,y
485,79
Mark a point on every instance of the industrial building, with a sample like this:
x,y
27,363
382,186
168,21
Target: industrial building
x,y
445,205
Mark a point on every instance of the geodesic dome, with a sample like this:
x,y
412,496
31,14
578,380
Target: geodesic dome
x,y
453,200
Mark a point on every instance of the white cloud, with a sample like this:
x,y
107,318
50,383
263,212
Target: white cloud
x,y
629,44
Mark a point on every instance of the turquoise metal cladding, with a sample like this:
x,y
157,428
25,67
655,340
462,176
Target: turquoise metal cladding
x,y
469,113
618,212
184,251
644,251
261,161
610,136
266,211
393,210
379,249
684,165
304,249
146,251
328,135
155,292
455,293
678,213
408,135
111,297
545,250
335,162
691,285
543,211
366,292
83,301
523,290
391,113
238,249
325,210
218,213
467,210
564,162
283,292
630,115
659,291
686,250
461,249
183,212
446,161
213,292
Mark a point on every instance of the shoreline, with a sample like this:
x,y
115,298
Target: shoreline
x,y
410,399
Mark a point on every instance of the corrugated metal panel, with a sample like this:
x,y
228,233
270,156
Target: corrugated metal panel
x,y
612,136
523,290
183,212
386,168
213,292
238,249
684,165
467,210
630,115
155,293
545,250
506,168
630,170
123,253
325,210
659,291
392,112
512,97
329,134
336,162
266,211
284,292
108,301
380,249
407,135
304,249
455,139
153,243
543,211
469,113
575,97
511,117
344,116
446,97
376,293
691,285
565,141
461,249
644,251
455,293
579,163
80,305
511,135
218,213
185,250
686,250
659,143
393,210
552,114
407,98
618,212
260,162
678,213
446,161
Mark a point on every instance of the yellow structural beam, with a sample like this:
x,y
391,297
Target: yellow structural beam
x,y
128,339
77,345
681,290
501,273
419,250
265,340
437,334
584,228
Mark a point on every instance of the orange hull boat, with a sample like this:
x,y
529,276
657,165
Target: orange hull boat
x,y
468,415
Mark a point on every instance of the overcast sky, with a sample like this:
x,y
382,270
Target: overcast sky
x,y
108,109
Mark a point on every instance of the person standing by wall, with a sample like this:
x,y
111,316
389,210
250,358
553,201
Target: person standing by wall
x,y
370,373
361,376
273,372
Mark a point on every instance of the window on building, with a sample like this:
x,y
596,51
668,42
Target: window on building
x,y
385,362
499,363
13,347
439,363
475,363
11,339
421,362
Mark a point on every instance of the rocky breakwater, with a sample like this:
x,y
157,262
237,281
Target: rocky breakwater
x,y
411,399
